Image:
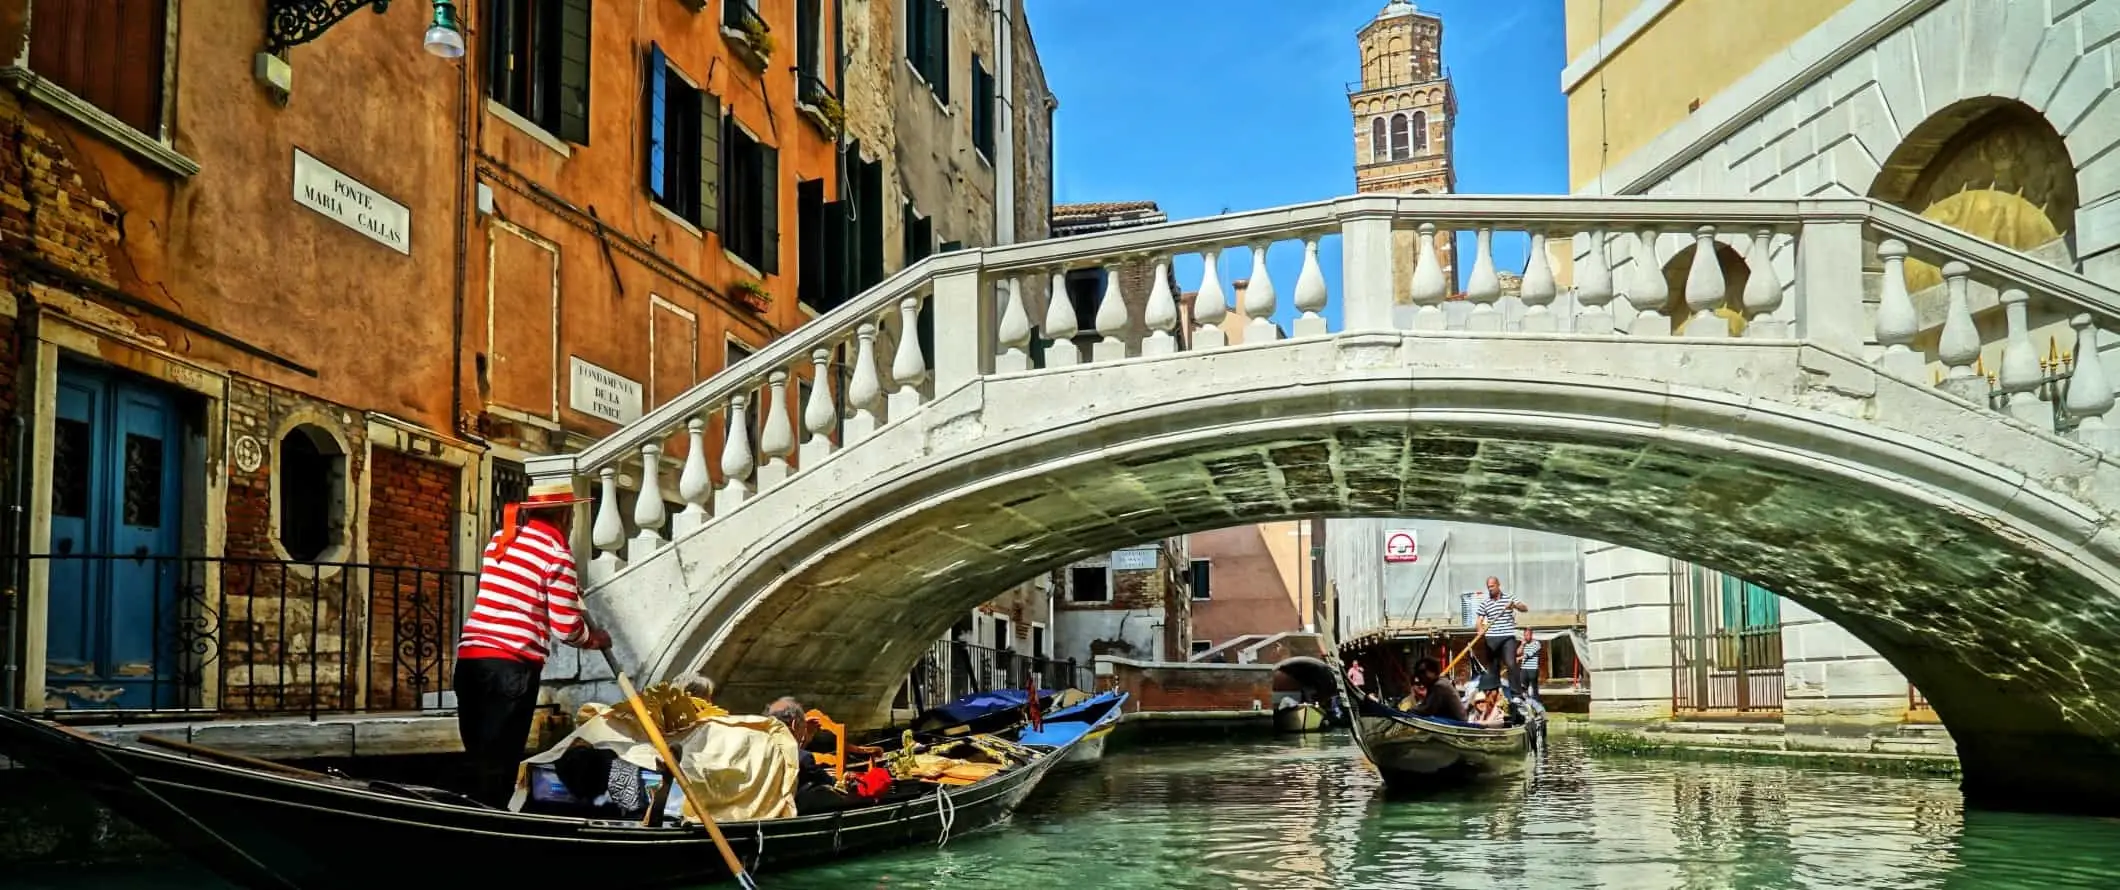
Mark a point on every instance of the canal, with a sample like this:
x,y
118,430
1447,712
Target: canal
x,y
1306,813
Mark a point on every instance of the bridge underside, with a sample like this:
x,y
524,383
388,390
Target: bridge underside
x,y
2008,628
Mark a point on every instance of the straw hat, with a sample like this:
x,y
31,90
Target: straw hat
x,y
550,494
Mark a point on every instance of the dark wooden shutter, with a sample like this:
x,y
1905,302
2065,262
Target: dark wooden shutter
x,y
809,26
769,210
658,105
108,54
916,26
939,49
839,257
709,162
869,232
948,246
574,71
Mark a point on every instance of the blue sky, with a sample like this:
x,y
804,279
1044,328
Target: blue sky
x,y
1237,105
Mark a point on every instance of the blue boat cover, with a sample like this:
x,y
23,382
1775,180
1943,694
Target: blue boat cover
x,y
1060,729
973,707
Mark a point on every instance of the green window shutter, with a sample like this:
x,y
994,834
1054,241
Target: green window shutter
x,y
916,25
939,46
709,162
769,214
574,71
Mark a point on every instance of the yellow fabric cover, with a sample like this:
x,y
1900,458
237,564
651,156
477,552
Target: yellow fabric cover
x,y
745,763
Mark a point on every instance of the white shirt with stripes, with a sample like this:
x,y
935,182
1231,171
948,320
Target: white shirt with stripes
x,y
1501,616
527,595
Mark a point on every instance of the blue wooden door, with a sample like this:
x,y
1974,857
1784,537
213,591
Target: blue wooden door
x,y
115,612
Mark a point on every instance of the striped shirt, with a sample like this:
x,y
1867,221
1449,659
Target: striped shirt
x,y
526,593
1500,615
1530,648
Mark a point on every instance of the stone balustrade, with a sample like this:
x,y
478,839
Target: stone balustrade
x,y
952,319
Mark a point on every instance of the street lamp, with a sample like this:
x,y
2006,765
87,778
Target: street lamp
x,y
445,38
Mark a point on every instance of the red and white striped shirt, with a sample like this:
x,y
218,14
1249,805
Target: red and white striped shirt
x,y
526,593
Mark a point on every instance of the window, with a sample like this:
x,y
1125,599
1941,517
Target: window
x,y
684,143
1089,584
1085,288
812,287
736,14
311,487
537,63
1400,150
861,208
1038,649
750,223
809,48
927,43
1198,580
1420,131
982,100
917,234
1379,150
1201,647
1004,636
107,54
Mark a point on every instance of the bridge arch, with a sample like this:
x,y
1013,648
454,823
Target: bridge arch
x,y
1956,546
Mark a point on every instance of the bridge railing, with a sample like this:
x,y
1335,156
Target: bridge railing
x,y
1848,274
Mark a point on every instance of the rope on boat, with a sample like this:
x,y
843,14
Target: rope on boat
x,y
948,810
758,856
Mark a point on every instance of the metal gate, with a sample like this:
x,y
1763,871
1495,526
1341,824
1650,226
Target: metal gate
x,y
1726,633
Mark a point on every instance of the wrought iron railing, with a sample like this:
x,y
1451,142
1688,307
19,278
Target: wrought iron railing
x,y
1723,663
950,671
235,635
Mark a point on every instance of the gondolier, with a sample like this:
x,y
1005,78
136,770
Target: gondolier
x,y
527,596
1498,621
1527,663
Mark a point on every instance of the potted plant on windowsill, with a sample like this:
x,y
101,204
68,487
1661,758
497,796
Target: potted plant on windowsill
x,y
825,112
752,294
753,43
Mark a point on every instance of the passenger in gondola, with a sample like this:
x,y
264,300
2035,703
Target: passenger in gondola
x,y
1489,711
1438,698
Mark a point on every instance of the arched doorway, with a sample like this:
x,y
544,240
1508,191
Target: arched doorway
x,y
1989,167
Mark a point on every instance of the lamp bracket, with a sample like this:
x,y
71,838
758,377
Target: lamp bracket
x,y
294,22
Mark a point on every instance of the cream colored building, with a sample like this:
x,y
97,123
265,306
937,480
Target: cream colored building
x,y
1997,117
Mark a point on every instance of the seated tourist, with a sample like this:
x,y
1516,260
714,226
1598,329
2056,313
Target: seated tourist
x,y
1490,712
816,790
1438,698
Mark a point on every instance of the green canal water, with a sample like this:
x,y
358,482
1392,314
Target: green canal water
x,y
1307,813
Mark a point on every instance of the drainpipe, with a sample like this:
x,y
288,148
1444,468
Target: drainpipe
x,y
463,203
14,520
1005,141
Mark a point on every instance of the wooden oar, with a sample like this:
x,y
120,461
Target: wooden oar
x,y
695,796
1476,638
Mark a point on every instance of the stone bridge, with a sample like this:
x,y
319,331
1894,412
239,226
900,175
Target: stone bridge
x,y
1811,426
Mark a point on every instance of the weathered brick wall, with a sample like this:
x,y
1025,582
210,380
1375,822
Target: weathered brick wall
x,y
288,632
413,601
1167,687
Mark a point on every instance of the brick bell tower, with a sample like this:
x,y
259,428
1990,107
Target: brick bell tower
x,y
1404,110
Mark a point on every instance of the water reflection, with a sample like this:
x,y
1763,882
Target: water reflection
x,y
1308,814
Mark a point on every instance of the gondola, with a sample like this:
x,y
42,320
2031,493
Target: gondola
x,y
1299,717
1412,752
1083,727
287,830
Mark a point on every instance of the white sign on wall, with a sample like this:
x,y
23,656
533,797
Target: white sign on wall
x,y
601,393
354,205
1133,560
1401,545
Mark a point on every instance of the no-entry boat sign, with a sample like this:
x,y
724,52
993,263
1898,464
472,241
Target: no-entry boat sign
x,y
1401,546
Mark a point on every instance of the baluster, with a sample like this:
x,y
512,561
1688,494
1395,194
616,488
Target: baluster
x,y
1538,290
820,416
1310,292
1762,295
1705,288
777,440
1015,332
865,390
736,461
609,531
1429,288
648,508
1112,317
1897,322
695,485
1647,292
1161,313
1210,305
1061,325
1593,292
2090,394
2021,373
1260,299
1484,287
1959,345
908,367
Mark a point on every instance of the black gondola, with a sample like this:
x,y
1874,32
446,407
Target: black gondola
x,y
284,831
1412,752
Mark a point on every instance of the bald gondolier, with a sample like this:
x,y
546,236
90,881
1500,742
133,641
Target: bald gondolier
x,y
527,596
1498,626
